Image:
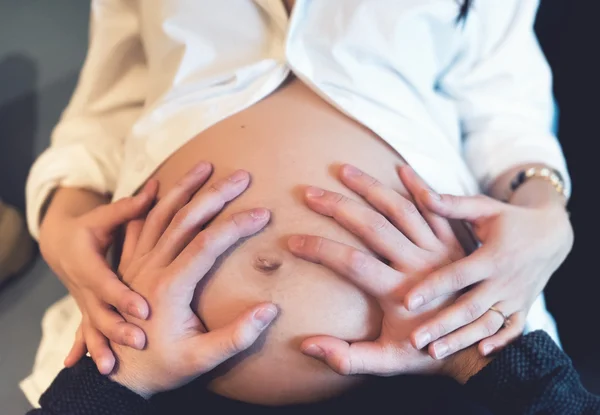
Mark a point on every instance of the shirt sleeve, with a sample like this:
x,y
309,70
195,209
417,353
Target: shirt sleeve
x,y
83,390
532,376
503,90
87,144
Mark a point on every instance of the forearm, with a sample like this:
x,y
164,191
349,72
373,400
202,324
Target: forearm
x,y
530,376
535,192
83,390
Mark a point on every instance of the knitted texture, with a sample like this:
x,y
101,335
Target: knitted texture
x,y
82,390
532,376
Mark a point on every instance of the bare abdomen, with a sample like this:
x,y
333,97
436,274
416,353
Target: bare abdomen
x,y
288,140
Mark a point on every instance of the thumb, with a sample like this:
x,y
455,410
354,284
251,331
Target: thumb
x,y
469,208
115,214
350,359
217,346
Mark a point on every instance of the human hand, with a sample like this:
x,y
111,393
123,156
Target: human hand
x,y
75,247
164,260
521,248
414,243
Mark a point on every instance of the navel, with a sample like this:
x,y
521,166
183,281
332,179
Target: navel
x,y
267,263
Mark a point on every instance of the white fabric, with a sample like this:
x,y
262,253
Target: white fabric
x,y
461,104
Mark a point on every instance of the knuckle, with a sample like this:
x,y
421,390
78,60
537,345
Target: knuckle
x,y
379,224
458,279
371,182
154,216
490,327
409,208
314,244
237,342
357,261
472,310
337,200
180,218
439,329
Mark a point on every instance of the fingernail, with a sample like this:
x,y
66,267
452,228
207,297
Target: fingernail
x,y
351,171
422,339
434,195
134,311
487,349
314,192
263,317
416,302
440,350
314,351
296,241
104,366
133,341
238,176
259,214
200,168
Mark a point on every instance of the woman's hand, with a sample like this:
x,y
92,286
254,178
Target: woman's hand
x,y
165,258
414,243
75,247
521,247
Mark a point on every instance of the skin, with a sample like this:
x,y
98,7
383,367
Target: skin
x,y
519,253
169,258
168,255
398,232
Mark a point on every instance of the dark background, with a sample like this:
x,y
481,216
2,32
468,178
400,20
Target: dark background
x,y
42,46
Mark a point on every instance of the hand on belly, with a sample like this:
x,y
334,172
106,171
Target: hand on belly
x,y
312,300
283,153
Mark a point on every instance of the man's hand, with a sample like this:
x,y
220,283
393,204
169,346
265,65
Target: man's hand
x,y
413,243
165,258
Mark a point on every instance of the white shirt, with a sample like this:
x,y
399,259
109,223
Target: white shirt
x,y
462,104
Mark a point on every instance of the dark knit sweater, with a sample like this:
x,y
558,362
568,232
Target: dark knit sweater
x,y
532,376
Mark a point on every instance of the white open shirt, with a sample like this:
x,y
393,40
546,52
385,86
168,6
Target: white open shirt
x,y
461,104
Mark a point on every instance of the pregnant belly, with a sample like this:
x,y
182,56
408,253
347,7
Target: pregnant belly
x,y
286,141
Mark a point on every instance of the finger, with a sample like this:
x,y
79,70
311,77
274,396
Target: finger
x,y
372,227
113,291
416,187
468,308
200,255
133,231
451,278
352,359
469,208
112,215
78,350
161,215
514,328
486,325
115,328
190,219
99,349
213,348
368,273
399,210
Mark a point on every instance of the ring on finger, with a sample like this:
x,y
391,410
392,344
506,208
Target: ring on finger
x,y
506,318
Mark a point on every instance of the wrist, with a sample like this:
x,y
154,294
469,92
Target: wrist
x,y
126,374
465,364
70,202
537,193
